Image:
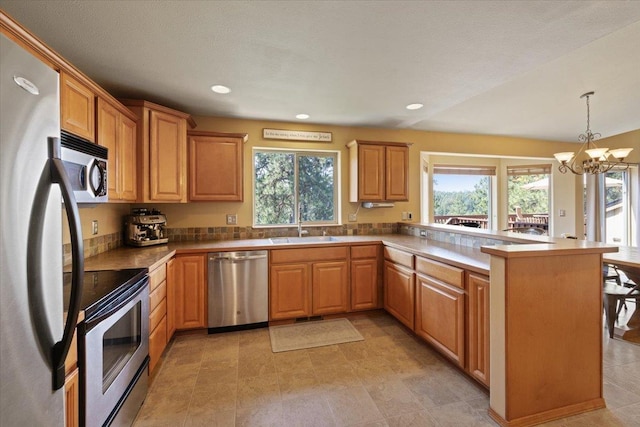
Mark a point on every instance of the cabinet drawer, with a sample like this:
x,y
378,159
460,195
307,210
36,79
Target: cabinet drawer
x,y
398,257
157,343
157,315
309,255
448,274
157,295
358,252
157,276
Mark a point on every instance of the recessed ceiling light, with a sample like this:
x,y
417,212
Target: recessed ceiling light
x,y
220,89
414,106
302,116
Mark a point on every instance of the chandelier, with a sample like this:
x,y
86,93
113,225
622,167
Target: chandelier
x,y
594,159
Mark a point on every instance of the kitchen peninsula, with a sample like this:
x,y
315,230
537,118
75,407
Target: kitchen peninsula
x,y
545,294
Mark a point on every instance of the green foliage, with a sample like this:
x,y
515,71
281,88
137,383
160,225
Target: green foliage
x,y
274,188
475,202
530,200
613,194
276,198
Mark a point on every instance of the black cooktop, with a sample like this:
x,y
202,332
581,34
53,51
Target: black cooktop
x,y
99,288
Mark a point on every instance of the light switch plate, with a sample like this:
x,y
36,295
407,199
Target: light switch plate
x,y
232,219
94,227
353,217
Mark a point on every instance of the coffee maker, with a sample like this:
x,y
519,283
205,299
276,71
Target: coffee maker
x,y
145,227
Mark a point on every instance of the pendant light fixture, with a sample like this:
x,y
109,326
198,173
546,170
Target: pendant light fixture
x,y
591,159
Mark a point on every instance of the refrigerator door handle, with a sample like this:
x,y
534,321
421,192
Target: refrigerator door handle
x,y
61,348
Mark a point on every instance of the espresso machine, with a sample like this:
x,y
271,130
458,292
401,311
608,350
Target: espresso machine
x,y
145,227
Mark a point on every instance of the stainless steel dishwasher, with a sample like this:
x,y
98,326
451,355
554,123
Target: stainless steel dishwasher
x,y
238,290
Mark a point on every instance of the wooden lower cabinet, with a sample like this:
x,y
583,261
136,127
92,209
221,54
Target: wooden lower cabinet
x,y
72,399
171,299
399,292
190,291
157,315
440,317
157,343
478,336
365,278
308,282
330,288
289,291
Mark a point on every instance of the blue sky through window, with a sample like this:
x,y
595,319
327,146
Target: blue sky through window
x,y
445,182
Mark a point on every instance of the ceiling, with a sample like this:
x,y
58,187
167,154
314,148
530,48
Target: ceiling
x,y
513,68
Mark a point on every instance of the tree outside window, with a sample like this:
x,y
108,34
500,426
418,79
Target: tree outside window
x,y
286,181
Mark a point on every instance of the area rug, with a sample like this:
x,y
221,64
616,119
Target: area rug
x,y
312,334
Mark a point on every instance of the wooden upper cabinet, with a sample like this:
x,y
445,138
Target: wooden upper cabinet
x,y
117,132
77,107
396,173
378,171
216,169
161,153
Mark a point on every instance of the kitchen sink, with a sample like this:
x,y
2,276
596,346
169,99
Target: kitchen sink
x,y
304,239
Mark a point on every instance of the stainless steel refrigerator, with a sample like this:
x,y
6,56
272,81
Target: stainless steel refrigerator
x,y
34,337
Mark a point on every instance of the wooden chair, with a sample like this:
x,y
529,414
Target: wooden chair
x,y
615,294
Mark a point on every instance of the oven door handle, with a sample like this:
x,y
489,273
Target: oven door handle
x,y
133,292
61,348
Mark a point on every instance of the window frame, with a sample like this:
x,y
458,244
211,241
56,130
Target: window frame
x,y
337,198
490,171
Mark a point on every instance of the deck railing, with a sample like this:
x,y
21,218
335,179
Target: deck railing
x,y
481,221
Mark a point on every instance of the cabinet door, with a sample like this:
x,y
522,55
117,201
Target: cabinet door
x,y
107,136
364,284
72,399
371,172
215,168
127,158
171,299
190,292
479,327
77,107
167,157
440,317
399,288
157,343
289,292
396,169
330,287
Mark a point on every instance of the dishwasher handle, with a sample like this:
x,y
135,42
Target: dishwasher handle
x,y
233,257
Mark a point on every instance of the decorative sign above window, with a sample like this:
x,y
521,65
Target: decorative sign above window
x,y
296,135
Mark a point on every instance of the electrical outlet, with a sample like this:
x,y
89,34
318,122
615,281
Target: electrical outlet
x,y
563,212
353,217
423,233
232,219
404,216
94,227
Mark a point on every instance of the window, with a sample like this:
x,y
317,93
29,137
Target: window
x,y
462,195
528,196
616,207
295,184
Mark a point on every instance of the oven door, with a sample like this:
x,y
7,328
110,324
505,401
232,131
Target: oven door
x,y
115,345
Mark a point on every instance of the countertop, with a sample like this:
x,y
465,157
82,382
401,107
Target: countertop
x,y
470,258
151,257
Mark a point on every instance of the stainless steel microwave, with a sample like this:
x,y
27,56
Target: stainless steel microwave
x,y
86,167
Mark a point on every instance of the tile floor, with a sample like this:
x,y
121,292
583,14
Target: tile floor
x,y
390,379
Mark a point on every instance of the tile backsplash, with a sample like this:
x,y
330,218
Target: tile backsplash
x,y
236,233
452,237
95,245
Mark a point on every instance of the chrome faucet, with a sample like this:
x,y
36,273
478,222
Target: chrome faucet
x,y
301,232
